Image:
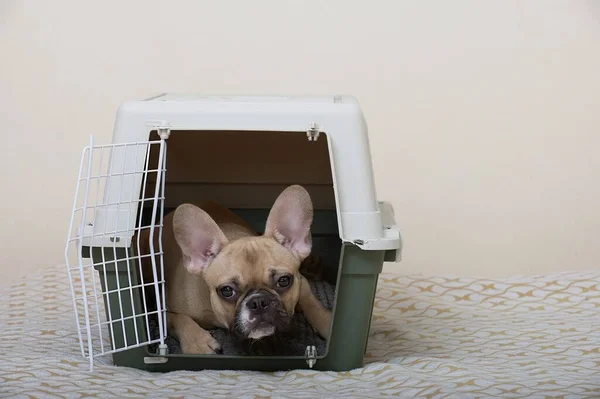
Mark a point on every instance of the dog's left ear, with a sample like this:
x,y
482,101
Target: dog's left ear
x,y
198,236
290,220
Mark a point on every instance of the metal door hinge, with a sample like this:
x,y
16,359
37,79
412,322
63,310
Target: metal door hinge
x,y
162,128
164,132
161,358
311,356
313,132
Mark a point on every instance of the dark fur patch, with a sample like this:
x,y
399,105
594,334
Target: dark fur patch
x,y
250,255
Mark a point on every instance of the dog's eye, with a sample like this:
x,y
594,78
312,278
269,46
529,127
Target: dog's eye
x,y
284,281
226,291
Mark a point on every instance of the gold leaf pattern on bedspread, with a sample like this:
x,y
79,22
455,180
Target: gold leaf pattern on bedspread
x,y
535,337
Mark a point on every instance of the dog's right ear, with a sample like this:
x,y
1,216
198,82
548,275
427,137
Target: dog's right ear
x,y
290,220
198,236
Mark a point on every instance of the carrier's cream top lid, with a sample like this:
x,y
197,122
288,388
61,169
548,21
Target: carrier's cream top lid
x,y
338,117
176,97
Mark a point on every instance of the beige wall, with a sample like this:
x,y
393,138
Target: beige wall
x,y
484,116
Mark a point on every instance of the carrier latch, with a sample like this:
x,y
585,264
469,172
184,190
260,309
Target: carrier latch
x,y
311,355
313,132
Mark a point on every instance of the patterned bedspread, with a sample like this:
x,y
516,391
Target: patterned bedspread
x,y
439,337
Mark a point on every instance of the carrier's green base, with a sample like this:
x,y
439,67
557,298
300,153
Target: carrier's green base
x,y
355,293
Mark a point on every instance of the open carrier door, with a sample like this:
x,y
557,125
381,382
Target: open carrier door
x,y
113,312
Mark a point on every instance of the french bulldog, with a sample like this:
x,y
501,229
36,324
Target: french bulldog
x,y
220,273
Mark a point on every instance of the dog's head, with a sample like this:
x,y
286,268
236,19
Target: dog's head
x,y
254,282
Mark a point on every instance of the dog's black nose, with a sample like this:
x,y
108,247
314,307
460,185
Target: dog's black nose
x,y
259,303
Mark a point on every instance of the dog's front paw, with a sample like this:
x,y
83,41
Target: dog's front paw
x,y
201,344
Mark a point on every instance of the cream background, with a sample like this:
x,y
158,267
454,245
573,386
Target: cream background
x,y
483,116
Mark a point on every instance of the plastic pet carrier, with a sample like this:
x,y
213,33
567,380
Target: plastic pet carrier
x,y
240,152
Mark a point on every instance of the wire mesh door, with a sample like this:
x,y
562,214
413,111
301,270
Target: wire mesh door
x,y
114,251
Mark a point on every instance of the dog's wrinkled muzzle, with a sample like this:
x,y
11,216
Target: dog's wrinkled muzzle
x,y
261,314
